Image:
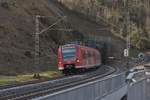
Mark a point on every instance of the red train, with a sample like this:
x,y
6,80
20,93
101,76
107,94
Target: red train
x,y
72,58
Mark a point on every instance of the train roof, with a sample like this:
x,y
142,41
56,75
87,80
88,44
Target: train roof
x,y
67,45
83,46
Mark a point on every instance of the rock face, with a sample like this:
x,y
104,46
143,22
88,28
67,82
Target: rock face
x,y
93,29
87,7
86,23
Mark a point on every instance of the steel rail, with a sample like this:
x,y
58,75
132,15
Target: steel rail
x,y
8,92
32,90
48,90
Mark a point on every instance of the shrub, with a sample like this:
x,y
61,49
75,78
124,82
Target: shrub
x,y
5,5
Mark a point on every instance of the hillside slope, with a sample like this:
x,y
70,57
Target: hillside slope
x,y
17,30
114,13
96,31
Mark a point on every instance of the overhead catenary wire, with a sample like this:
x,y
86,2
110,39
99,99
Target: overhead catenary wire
x,y
37,38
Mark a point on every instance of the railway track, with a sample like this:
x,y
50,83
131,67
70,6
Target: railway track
x,y
29,82
40,89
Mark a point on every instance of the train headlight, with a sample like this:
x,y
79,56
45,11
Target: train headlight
x,y
60,68
77,60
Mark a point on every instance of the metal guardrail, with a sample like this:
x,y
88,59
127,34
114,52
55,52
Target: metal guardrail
x,y
139,90
90,91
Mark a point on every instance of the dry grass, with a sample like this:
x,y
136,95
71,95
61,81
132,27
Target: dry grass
x,y
4,80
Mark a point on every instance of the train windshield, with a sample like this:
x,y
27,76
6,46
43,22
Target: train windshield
x,y
68,53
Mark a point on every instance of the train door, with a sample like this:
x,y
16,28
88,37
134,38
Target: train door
x,y
83,57
94,57
90,60
86,58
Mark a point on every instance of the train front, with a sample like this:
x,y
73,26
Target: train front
x,y
68,58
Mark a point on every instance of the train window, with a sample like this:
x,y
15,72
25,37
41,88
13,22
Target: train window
x,y
83,54
86,54
90,54
68,53
94,54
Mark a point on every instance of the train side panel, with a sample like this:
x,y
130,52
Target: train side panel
x,y
80,57
89,58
